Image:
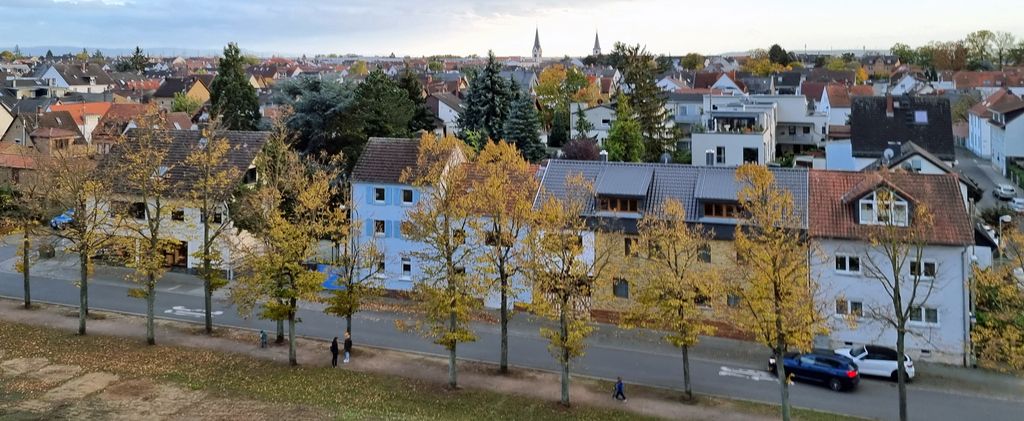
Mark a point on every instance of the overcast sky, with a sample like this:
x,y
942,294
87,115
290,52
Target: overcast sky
x,y
424,27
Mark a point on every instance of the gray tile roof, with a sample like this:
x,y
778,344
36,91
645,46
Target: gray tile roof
x,y
690,185
624,182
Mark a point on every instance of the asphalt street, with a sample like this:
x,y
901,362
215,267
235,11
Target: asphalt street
x,y
637,356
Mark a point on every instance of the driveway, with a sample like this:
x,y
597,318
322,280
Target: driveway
x,y
981,171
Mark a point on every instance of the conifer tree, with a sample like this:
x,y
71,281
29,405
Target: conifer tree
x,y
523,129
233,98
488,103
625,141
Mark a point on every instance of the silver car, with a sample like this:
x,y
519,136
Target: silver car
x,y
875,360
1005,191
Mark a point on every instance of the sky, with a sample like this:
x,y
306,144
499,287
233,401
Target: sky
x,y
463,27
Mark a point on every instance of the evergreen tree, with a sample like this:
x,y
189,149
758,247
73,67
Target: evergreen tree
x,y
380,108
233,98
49,55
97,55
646,99
317,106
559,134
487,102
17,51
625,140
138,61
422,118
523,129
583,126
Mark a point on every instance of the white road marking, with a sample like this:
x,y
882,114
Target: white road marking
x,y
184,311
746,373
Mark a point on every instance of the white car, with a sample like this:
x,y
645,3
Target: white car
x,y
1017,204
876,360
1005,191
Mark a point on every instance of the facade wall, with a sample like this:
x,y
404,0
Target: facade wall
x,y
1007,143
979,136
734,145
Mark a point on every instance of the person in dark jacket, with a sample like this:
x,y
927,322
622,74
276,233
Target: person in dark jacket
x,y
619,390
348,346
334,352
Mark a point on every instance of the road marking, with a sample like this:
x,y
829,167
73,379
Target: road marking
x,y
174,288
185,311
746,373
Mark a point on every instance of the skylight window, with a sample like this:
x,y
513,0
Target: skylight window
x,y
921,117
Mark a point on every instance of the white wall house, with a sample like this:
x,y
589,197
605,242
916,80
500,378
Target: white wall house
x,y
979,134
1007,134
599,116
736,133
86,78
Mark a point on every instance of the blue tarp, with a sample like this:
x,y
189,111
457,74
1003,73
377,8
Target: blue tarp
x,y
331,281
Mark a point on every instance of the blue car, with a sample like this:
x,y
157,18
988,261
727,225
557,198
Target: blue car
x,y
60,221
835,371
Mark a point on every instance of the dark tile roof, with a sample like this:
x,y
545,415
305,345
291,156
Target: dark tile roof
x,y
171,86
873,130
848,77
834,199
53,120
245,145
790,79
384,159
77,74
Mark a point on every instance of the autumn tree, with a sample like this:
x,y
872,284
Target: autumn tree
x,y
501,192
359,68
24,205
894,258
82,56
998,336
141,165
185,103
979,44
288,217
1002,43
625,140
440,221
582,149
692,61
563,273
776,292
211,187
673,281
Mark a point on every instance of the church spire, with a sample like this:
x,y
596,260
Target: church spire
x,y
536,45
597,45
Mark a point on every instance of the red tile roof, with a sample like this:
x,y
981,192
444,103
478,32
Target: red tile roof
x,y
704,80
79,111
812,90
967,79
862,90
1001,97
838,95
832,204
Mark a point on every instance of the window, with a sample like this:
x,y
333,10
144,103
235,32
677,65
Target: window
x,y
807,130
378,227
890,209
849,308
494,239
250,176
629,245
406,267
926,269
119,208
459,236
925,315
378,194
921,117
720,154
620,287
704,254
60,144
606,121
138,210
217,218
617,204
915,165
178,215
792,130
406,196
732,300
381,266
721,210
847,264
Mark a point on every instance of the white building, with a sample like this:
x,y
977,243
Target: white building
x,y
736,132
1007,134
600,117
83,78
979,135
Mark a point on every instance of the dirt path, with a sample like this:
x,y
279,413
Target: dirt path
x,y
122,398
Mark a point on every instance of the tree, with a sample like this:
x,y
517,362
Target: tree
x,y
24,203
140,162
762,66
559,128
316,109
17,52
359,68
290,210
440,221
185,103
646,99
211,188
562,275
582,149
422,118
1016,54
963,105
775,288
583,126
138,61
82,55
233,98
951,55
552,91
998,336
380,108
835,63
862,75
625,142
894,259
903,51
49,55
502,194
675,283
488,102
1002,43
692,61
779,56
6,55
97,55
523,129
979,44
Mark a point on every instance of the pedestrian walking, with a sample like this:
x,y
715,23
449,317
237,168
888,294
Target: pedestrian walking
x,y
263,339
334,352
619,393
348,346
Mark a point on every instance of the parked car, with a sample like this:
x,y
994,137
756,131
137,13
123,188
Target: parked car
x,y
876,360
1005,191
60,221
836,371
1017,204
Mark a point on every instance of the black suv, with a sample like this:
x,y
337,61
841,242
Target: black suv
x,y
835,371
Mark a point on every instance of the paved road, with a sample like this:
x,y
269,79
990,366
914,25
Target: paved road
x,y
637,356
981,171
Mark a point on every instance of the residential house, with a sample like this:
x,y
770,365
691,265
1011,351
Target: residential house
x,y
525,79
835,102
876,64
6,118
446,109
28,87
844,212
881,124
759,85
686,110
183,225
989,82
721,64
788,83
84,77
822,75
191,86
910,84
87,115
915,159
25,125
1007,134
979,137
600,116
737,130
725,82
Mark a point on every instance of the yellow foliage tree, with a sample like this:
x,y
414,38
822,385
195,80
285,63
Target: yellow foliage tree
x,y
998,336
777,294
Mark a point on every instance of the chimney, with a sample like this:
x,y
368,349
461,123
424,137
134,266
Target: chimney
x,y
604,156
39,111
889,112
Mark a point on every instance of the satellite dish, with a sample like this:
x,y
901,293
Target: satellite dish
x,y
887,156
666,158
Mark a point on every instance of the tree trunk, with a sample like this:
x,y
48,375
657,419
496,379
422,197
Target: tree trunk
x,y
686,373
26,250
504,326
280,332
150,302
780,368
900,371
564,326
291,339
83,290
207,284
348,324
452,372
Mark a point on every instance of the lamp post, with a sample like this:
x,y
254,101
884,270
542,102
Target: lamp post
x,y
1002,219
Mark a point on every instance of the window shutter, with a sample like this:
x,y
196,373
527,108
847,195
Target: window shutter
x,y
369,226
415,196
369,195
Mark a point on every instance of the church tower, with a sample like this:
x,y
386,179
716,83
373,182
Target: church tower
x,y
536,46
597,45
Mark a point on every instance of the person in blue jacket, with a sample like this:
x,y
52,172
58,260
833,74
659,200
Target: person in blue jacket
x,y
619,390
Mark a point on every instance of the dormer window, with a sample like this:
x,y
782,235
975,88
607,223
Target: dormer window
x,y
617,204
883,208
